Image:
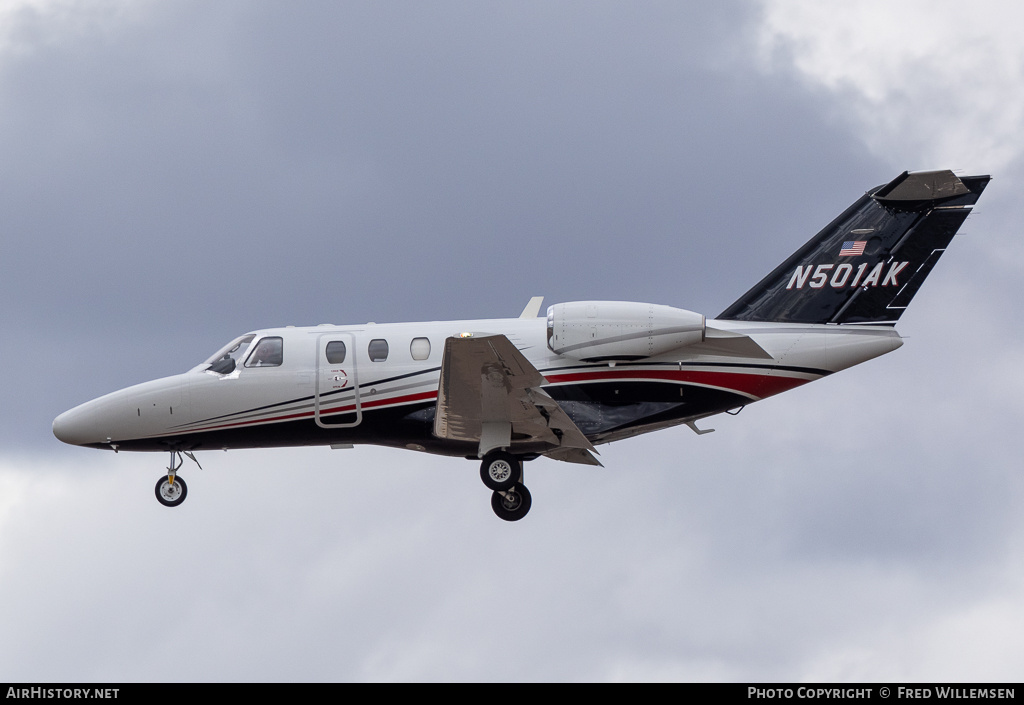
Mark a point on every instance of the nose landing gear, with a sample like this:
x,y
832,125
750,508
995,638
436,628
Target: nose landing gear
x,y
172,490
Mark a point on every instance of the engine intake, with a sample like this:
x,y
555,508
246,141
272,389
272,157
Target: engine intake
x,y
593,331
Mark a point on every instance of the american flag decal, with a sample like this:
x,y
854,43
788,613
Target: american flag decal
x,y
853,248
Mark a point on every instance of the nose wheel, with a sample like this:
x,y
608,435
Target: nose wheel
x,y
171,491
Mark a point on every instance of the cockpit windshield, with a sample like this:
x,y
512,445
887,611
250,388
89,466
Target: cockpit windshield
x,y
227,357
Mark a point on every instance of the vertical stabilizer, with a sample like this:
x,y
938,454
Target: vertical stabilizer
x,y
868,263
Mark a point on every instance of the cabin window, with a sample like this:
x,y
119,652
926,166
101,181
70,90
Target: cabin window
x,y
269,352
378,350
419,348
336,352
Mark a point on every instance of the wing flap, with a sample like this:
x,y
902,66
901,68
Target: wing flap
x,y
574,455
489,393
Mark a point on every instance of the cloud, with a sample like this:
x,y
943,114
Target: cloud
x,y
28,26
928,83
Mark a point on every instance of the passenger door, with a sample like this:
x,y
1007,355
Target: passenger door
x,y
336,395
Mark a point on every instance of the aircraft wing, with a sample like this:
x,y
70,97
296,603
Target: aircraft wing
x,y
489,393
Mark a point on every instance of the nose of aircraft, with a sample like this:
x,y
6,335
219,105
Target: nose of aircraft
x,y
74,427
135,412
63,428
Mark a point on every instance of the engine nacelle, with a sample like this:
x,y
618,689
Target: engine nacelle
x,y
620,330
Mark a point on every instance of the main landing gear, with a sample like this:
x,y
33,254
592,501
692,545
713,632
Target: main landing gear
x,y
513,503
503,474
172,490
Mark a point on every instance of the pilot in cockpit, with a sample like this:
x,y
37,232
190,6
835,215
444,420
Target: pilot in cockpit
x,y
268,353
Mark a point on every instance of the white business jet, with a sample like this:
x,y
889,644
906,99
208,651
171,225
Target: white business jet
x,y
505,391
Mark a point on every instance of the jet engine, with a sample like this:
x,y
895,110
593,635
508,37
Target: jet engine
x,y
594,331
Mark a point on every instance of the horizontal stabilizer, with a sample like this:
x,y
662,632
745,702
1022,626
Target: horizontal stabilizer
x,y
909,191
726,342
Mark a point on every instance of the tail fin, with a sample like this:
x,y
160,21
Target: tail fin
x,y
868,263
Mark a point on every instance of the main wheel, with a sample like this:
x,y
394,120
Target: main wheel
x,y
500,470
171,495
513,504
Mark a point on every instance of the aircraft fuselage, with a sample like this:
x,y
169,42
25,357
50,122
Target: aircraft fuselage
x,y
380,394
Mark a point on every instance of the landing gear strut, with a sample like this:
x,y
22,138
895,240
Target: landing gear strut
x,y
172,490
503,474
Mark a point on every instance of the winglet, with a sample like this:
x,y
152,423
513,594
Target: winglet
x,y
532,309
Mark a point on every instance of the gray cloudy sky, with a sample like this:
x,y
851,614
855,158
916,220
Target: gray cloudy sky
x,y
176,173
